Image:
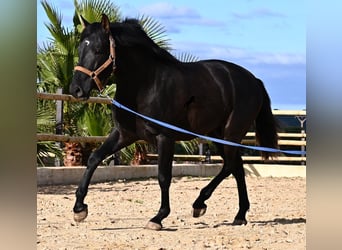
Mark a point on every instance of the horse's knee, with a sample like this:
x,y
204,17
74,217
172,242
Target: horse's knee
x,y
93,160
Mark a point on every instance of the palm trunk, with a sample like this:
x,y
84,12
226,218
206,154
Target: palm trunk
x,y
72,154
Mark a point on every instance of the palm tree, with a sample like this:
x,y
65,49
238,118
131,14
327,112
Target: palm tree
x,y
55,65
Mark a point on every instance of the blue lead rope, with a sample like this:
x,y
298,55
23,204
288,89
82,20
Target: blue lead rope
x,y
166,125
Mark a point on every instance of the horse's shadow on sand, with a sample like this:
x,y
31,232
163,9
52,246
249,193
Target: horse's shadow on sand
x,y
276,221
202,225
166,229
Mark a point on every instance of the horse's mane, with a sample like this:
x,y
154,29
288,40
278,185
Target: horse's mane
x,y
133,35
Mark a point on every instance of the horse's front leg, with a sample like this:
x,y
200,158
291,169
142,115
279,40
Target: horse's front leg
x,y
165,147
115,141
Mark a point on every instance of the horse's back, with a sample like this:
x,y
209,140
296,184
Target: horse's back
x,y
230,74
229,83
215,88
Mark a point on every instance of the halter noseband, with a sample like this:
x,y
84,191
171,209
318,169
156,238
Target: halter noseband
x,y
94,74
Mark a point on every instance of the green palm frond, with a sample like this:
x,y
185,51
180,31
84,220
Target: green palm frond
x,y
46,124
92,11
57,31
47,149
95,120
56,59
45,120
186,57
72,113
54,16
156,31
109,90
55,71
127,153
190,147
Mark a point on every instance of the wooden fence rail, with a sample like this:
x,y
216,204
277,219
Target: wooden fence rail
x,y
67,138
285,139
70,98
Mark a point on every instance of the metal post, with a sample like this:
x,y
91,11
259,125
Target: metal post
x,y
59,123
200,148
207,154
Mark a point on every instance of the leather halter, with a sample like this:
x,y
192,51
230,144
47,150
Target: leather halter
x,y
94,74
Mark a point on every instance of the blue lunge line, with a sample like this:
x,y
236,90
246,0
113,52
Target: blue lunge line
x,y
166,125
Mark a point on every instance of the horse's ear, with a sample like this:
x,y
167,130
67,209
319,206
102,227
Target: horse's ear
x,y
105,23
83,22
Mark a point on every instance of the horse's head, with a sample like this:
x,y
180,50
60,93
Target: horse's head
x,y
96,58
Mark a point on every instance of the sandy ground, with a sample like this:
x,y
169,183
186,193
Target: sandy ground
x,y
118,212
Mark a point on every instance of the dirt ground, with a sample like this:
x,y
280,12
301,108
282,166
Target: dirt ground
x,y
118,212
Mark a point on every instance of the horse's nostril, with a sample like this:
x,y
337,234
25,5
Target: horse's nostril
x,y
78,92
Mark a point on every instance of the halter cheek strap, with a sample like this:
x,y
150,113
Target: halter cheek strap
x,y
94,74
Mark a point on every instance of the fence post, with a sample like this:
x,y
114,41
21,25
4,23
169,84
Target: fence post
x,y
302,119
207,154
59,123
200,148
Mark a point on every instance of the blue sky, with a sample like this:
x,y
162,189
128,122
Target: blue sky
x,y
266,37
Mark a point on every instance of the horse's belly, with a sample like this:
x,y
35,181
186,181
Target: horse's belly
x,y
204,120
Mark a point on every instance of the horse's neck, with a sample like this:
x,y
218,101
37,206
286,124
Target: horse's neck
x,y
135,70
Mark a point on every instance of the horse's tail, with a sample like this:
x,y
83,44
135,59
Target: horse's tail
x,y
266,126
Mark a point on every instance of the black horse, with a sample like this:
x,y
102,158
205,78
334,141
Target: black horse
x,y
211,97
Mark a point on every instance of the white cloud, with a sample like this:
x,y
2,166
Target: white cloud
x,y
169,11
258,13
277,58
175,16
212,51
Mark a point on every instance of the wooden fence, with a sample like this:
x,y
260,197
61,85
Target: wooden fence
x,y
297,140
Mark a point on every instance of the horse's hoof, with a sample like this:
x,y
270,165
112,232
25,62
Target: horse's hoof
x,y
239,222
153,226
198,212
78,217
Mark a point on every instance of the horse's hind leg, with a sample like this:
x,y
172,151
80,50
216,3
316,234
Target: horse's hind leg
x,y
115,141
199,207
239,174
232,165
